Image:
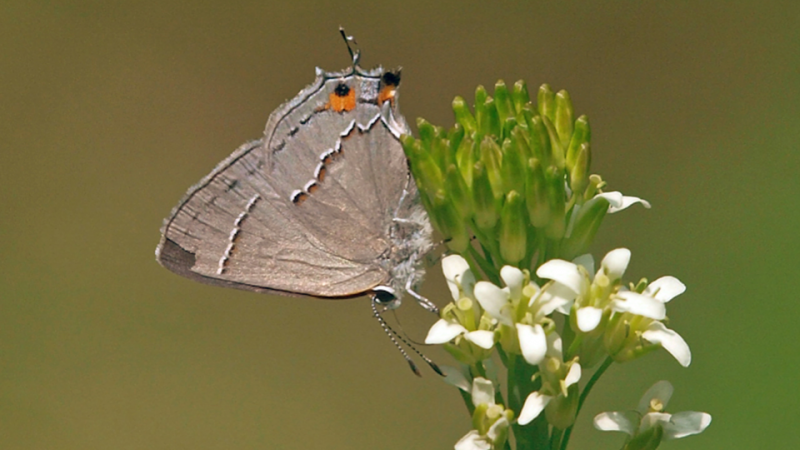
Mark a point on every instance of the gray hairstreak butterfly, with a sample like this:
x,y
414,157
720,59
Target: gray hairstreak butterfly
x,y
322,206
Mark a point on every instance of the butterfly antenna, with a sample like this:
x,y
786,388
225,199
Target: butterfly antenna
x,y
394,336
409,341
391,333
355,55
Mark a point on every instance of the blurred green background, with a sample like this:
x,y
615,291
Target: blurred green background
x,y
111,110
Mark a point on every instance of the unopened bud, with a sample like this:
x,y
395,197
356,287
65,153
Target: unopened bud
x,y
513,232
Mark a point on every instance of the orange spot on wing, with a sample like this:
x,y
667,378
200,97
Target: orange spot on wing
x,y
387,93
342,103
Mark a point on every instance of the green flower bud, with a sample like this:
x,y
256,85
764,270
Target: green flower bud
x,y
508,126
581,135
450,222
441,147
547,103
520,95
540,141
491,125
519,139
463,115
481,96
536,194
483,198
492,158
563,118
457,190
502,100
585,223
427,132
513,167
466,156
556,197
426,172
557,156
579,174
454,138
513,232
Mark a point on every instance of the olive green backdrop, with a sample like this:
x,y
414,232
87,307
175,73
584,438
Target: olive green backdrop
x,y
111,110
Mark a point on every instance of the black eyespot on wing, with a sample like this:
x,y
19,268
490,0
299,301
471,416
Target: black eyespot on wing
x,y
341,90
391,78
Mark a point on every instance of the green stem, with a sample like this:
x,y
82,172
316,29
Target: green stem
x,y
555,438
596,376
575,345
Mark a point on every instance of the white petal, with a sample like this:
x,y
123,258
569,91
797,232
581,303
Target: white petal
x,y
444,331
565,273
586,261
554,345
513,279
625,421
453,265
532,342
560,296
665,288
615,263
472,441
639,304
618,202
661,391
482,338
494,300
454,268
573,376
482,391
686,423
456,377
534,405
467,283
496,428
672,342
549,303
588,318
614,198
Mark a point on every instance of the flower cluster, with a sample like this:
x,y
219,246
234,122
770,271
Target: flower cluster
x,y
509,188
605,319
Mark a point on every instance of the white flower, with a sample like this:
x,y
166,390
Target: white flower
x,y
625,330
462,319
492,420
523,309
649,422
559,384
575,282
618,202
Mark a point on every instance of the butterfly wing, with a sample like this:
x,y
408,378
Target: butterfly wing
x,y
307,209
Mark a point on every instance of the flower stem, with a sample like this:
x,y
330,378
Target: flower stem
x,y
596,376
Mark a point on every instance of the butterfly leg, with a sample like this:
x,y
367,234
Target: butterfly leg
x,y
422,301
